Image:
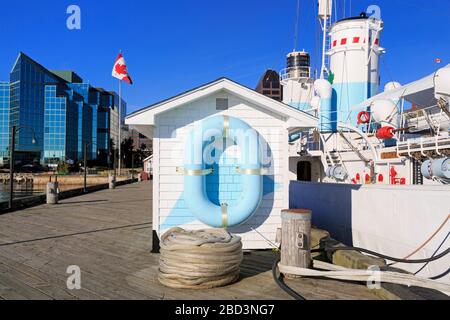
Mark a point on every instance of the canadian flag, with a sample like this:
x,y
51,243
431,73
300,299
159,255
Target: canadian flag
x,y
437,60
120,70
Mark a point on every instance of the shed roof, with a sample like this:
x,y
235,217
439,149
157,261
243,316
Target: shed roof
x,y
142,119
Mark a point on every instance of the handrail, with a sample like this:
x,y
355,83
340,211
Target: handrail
x,y
421,147
299,72
437,147
325,149
362,135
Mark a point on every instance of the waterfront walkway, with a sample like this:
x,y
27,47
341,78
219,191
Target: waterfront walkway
x,y
108,235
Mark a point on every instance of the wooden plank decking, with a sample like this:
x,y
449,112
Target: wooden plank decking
x,y
108,235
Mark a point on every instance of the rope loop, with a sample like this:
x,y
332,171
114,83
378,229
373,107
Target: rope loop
x,y
199,259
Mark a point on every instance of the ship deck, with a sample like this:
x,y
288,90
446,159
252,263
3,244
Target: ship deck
x,y
108,235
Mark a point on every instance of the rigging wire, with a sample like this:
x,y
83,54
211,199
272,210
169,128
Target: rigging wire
x,y
317,35
296,25
343,9
387,69
335,11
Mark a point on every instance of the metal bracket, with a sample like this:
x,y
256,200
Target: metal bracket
x,y
224,210
301,241
185,172
226,126
258,172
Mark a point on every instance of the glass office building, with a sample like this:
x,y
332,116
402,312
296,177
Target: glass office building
x,y
4,121
107,125
58,112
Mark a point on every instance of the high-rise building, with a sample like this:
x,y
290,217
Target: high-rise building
x,y
58,115
269,85
139,140
4,118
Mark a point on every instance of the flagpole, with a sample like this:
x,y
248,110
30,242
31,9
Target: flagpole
x,y
120,126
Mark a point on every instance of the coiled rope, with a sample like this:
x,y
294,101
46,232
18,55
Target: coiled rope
x,y
199,259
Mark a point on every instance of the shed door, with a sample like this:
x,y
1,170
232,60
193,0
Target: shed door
x,y
304,171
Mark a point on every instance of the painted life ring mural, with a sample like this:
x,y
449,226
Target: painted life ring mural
x,y
198,164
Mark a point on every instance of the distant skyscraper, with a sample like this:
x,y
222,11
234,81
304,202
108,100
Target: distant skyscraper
x,y
140,140
4,118
269,85
64,112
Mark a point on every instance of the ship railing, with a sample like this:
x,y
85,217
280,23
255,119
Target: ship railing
x,y
295,73
309,142
423,145
433,117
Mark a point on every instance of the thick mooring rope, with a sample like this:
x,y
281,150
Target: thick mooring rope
x,y
199,259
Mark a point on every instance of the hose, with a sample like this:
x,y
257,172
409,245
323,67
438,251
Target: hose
x,y
349,274
352,274
441,275
200,259
434,253
341,273
429,239
376,254
280,282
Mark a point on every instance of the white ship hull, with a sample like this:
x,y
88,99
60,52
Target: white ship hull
x,y
393,220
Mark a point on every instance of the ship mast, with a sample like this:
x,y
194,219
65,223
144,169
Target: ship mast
x,y
325,10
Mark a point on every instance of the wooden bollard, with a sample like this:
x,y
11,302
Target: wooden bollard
x,y
296,238
112,181
52,192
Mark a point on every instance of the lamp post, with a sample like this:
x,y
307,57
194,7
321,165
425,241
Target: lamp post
x,y
86,145
12,161
132,164
114,161
85,166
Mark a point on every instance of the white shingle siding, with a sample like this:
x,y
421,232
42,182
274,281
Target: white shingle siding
x,y
171,128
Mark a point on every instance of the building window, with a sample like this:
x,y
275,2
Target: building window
x,y
221,103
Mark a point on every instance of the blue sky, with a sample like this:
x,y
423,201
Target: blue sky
x,y
172,46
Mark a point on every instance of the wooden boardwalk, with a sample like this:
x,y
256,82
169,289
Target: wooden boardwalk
x,y
108,235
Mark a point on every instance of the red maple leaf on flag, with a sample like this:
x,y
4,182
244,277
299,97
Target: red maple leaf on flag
x,y
121,69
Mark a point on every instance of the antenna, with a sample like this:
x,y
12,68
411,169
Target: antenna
x,y
343,9
296,25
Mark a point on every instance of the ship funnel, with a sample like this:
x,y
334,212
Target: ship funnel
x,y
297,66
354,58
296,80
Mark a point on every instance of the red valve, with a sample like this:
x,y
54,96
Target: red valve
x,y
385,133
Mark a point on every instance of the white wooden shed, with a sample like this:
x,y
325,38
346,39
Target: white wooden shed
x,y
169,123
